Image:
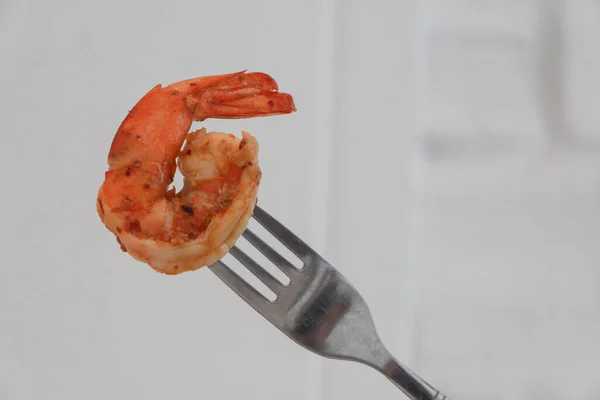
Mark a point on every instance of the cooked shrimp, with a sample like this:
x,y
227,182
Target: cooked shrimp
x,y
171,231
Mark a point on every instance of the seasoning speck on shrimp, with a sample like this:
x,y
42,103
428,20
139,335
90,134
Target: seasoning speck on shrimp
x,y
171,231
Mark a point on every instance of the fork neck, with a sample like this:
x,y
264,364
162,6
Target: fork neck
x,y
410,383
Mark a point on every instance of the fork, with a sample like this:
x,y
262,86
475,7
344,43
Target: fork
x,y
318,309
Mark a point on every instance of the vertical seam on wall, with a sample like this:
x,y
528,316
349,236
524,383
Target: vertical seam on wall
x,y
321,164
550,81
411,301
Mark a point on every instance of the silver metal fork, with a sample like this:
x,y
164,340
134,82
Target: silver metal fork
x,y
319,309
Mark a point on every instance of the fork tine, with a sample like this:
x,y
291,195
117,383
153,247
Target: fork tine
x,y
285,236
250,295
258,271
270,253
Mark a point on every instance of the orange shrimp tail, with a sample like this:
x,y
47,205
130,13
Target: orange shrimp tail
x,y
234,96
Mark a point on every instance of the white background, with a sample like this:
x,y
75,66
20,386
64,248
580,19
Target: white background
x,y
445,156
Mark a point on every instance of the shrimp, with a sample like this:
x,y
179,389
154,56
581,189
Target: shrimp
x,y
174,232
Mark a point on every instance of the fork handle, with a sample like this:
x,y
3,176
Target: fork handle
x,y
415,387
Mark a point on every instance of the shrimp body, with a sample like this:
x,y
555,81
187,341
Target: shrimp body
x,y
171,231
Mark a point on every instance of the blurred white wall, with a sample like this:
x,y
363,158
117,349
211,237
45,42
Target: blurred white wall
x,y
445,157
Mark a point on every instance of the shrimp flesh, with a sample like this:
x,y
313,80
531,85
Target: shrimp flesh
x,y
171,231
